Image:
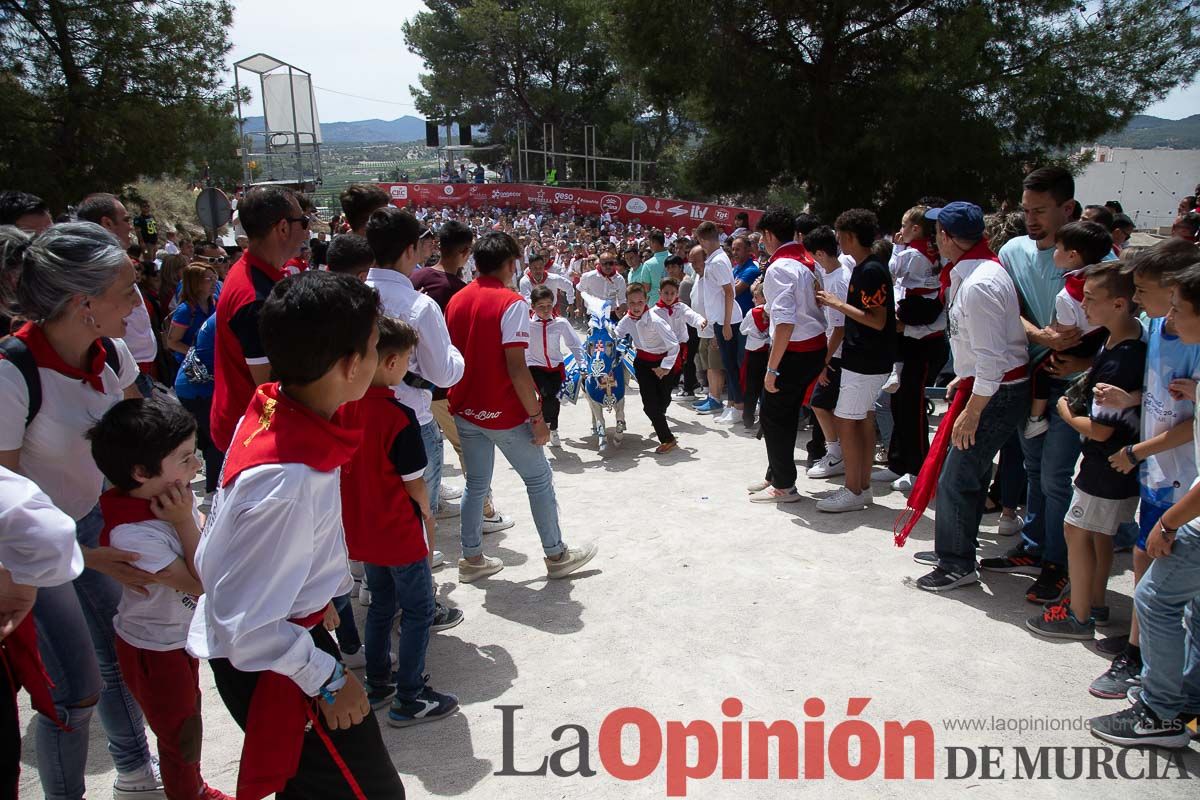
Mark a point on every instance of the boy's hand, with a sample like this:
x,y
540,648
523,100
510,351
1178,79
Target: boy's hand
x,y
331,619
1182,389
16,601
1120,462
659,372
1158,543
951,388
1063,339
349,706
1111,396
703,324
825,298
541,433
769,383
823,378
1064,408
174,505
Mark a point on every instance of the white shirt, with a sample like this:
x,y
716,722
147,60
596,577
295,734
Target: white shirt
x,y
679,317
652,334
139,334
755,339
912,270
160,620
434,358
611,288
548,339
37,541
54,453
718,273
790,289
986,336
836,283
273,550
556,283
170,248
1068,312
698,293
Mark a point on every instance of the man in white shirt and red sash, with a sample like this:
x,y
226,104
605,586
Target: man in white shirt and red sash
x,y
989,397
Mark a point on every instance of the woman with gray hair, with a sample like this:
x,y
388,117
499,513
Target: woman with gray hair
x,y
59,373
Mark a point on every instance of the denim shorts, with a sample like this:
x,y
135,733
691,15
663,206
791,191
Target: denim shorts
x,y
1148,516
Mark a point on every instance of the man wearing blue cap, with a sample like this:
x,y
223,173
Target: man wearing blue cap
x,y
989,396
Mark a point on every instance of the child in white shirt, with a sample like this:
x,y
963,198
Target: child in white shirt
x,y
548,336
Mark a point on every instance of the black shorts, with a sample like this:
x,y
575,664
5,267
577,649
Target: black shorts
x,y
826,397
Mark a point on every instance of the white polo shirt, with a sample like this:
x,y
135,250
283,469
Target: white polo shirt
x,y
718,273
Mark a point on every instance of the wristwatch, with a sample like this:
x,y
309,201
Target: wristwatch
x,y
1133,459
773,371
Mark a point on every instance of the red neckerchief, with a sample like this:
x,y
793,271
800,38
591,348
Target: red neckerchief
x,y
759,315
278,430
670,308
46,356
119,508
981,250
534,281
639,316
1074,286
607,277
796,251
925,247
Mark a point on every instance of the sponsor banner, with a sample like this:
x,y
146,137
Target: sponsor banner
x,y
655,212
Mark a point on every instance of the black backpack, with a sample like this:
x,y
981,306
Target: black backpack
x,y
17,352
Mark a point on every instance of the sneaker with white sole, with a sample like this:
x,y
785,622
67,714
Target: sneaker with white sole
x,y
844,500
445,617
769,494
892,384
364,595
427,706
904,484
141,784
927,557
469,573
1140,726
496,523
449,492
729,416
884,475
829,466
570,560
448,510
439,560
554,440
940,580
1010,526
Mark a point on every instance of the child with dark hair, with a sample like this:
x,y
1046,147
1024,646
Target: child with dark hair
x,y
549,336
350,254
657,352
1076,245
389,527
274,554
147,451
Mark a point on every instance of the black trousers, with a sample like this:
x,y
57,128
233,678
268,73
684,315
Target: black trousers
x,y
548,381
10,737
781,413
690,381
656,396
755,369
319,778
923,360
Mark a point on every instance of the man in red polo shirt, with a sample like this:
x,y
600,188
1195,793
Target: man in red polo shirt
x,y
496,405
276,227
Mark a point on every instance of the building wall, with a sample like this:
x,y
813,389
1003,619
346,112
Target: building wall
x,y
1148,183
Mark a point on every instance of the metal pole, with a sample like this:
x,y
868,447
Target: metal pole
x,y
545,146
237,88
295,124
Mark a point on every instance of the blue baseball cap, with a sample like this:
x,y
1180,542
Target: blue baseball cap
x,y
959,219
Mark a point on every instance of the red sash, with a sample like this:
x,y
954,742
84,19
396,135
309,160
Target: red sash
x,y
931,471
19,655
817,342
649,357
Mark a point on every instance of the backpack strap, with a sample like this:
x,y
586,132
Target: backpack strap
x,y
111,356
17,352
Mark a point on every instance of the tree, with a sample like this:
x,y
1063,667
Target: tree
x,y
875,103
97,93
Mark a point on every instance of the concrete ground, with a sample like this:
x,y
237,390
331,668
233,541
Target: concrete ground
x,y
697,596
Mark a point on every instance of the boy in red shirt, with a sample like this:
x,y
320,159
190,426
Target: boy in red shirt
x,y
385,510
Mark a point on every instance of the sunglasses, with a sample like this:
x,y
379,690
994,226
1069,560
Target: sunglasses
x,y
302,220
214,259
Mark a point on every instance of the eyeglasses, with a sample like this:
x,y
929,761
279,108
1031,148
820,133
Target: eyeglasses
x,y
302,220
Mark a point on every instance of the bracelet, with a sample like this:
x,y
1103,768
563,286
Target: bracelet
x,y
538,417
337,680
1133,459
773,371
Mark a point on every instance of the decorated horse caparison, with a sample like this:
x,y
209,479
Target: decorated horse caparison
x,y
607,368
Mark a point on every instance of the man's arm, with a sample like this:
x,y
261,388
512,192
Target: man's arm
x,y
526,389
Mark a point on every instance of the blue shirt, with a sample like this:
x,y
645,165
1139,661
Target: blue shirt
x,y
651,272
206,337
1167,476
748,273
191,319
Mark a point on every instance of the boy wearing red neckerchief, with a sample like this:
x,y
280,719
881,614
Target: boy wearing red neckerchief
x,y
273,555
147,451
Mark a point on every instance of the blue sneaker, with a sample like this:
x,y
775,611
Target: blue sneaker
x,y
701,401
710,406
427,706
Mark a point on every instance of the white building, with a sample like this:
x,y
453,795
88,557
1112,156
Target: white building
x,y
1148,183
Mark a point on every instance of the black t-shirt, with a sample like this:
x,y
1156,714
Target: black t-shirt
x,y
147,226
1123,366
864,349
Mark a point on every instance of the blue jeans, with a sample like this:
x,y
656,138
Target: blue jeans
x,y
1050,466
732,352
1168,598
75,638
963,485
479,459
431,435
347,630
409,589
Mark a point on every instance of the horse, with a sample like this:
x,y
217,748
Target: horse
x,y
607,367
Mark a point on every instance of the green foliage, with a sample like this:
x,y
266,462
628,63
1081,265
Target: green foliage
x,y
97,93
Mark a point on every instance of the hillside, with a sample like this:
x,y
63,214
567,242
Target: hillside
x,y
1144,132
404,129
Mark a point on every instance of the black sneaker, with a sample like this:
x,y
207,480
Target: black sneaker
x,y
942,581
1018,561
927,557
1100,614
1057,622
1138,725
427,706
1113,646
1114,684
1050,586
380,695
445,617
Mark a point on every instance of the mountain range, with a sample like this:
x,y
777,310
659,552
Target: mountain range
x,y
1142,132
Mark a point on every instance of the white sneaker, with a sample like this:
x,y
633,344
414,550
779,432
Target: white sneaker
x,y
827,467
1010,526
884,475
892,384
448,510
448,492
469,573
439,560
904,484
844,500
773,495
496,523
727,416
141,784
554,440
570,560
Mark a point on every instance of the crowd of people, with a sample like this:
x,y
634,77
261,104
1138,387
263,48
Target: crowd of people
x,y
313,382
